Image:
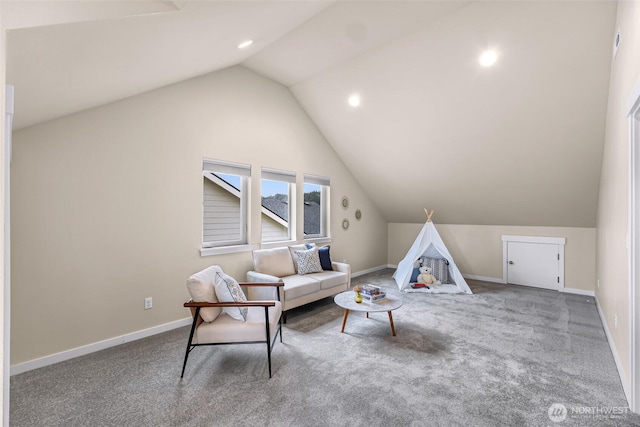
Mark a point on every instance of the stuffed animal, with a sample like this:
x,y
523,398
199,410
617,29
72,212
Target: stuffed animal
x,y
426,277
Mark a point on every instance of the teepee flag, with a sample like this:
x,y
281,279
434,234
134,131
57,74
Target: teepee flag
x,y
429,244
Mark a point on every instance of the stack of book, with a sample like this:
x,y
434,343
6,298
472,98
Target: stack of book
x,y
371,293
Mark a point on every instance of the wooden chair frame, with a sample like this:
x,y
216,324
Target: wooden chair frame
x,y
197,321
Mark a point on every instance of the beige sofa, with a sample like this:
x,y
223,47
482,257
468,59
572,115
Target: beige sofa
x,y
281,264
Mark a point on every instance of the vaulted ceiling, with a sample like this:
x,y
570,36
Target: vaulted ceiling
x,y
518,143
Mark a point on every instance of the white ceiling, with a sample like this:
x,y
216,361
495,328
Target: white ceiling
x,y
519,143
65,68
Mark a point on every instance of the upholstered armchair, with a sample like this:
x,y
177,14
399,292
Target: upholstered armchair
x,y
222,315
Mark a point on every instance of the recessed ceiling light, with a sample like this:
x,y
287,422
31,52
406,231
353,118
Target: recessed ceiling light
x,y
244,44
354,100
488,58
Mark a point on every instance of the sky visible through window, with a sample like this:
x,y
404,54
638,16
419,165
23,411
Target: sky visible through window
x,y
231,179
271,188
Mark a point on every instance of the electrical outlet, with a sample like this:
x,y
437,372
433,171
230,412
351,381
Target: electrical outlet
x,y
615,320
148,303
598,283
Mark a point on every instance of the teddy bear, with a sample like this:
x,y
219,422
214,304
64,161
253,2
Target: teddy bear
x,y
426,277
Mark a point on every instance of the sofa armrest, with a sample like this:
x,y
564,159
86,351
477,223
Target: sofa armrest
x,y
191,303
258,284
264,287
196,306
341,267
255,277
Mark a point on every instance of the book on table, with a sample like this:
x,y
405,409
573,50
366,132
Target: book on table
x,y
371,290
371,293
374,298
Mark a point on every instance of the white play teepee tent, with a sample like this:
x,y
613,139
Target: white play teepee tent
x,y
429,244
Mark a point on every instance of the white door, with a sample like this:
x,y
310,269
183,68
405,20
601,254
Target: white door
x,y
533,264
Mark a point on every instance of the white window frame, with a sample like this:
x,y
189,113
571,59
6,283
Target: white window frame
x,y
289,178
325,189
209,168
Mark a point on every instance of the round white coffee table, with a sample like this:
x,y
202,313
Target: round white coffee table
x,y
346,300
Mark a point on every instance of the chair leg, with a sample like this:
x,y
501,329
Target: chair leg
x,y
266,322
280,321
189,346
184,365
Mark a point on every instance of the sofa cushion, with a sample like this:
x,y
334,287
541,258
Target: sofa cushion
x,y
201,288
226,329
228,290
325,258
308,261
276,262
297,286
329,279
300,247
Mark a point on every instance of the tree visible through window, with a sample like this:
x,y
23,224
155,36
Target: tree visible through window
x,y
316,196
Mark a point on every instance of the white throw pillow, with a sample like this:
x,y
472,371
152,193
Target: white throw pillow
x,y
201,289
228,290
301,247
308,261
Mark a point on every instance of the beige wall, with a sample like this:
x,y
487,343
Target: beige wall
x,y
477,249
107,204
612,261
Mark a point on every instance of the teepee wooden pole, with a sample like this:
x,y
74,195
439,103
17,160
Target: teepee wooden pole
x,y
429,214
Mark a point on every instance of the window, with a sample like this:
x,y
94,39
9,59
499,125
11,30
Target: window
x,y
278,205
316,203
224,203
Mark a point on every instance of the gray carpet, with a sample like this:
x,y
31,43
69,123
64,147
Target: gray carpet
x,y
500,357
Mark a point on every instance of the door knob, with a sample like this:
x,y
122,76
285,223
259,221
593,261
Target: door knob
x,y
510,262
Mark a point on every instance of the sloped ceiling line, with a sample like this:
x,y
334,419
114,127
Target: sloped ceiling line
x,y
482,146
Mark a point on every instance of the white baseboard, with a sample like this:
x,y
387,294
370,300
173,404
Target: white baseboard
x,y
626,386
101,345
484,278
369,270
133,336
112,342
578,292
501,280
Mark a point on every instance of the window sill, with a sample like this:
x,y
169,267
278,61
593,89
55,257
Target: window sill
x,y
271,245
225,250
318,240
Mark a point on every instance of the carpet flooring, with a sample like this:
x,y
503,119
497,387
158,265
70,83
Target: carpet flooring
x,y
505,356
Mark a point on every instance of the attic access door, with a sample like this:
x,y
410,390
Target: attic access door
x,y
534,261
